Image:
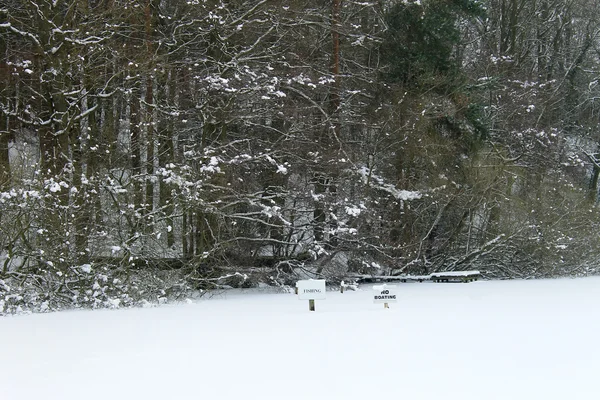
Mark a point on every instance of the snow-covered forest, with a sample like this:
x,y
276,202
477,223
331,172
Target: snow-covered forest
x,y
149,148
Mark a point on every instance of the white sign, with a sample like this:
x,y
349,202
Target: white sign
x,y
313,289
384,294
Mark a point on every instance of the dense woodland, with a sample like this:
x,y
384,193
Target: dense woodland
x,y
149,148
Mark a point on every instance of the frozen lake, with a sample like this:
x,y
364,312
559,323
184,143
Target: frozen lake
x,y
484,340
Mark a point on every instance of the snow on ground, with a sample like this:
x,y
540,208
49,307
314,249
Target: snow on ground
x,y
484,340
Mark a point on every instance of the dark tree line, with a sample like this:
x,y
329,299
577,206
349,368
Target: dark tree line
x,y
150,148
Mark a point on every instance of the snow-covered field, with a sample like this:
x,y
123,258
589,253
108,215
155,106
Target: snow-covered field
x,y
484,340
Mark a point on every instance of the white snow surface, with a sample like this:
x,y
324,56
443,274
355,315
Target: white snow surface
x,y
518,340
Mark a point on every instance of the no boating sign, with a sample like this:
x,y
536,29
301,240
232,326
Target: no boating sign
x,y
384,294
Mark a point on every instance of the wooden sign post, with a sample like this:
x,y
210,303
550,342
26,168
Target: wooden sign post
x,y
311,290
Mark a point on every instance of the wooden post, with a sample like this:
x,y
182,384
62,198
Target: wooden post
x,y
311,305
296,289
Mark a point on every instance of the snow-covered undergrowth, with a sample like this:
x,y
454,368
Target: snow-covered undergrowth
x,y
104,288
84,287
485,340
